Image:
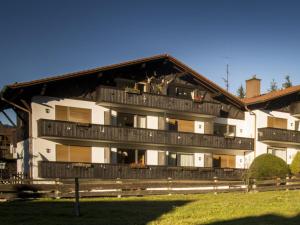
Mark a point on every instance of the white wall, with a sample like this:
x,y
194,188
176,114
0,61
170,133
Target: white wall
x,y
45,149
240,161
242,126
199,127
199,159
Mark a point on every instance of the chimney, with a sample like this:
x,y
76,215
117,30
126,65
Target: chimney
x,y
253,87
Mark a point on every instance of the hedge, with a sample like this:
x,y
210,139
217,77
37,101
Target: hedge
x,y
268,166
295,166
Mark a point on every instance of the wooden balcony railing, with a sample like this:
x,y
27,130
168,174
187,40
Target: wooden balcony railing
x,y
140,136
114,96
50,169
279,135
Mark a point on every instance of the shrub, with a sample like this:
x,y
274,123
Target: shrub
x,y
268,166
295,166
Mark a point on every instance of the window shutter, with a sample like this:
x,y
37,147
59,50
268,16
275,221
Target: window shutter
x,y
106,155
62,153
61,113
80,115
161,158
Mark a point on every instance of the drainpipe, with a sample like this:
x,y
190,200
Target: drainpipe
x,y
29,132
255,127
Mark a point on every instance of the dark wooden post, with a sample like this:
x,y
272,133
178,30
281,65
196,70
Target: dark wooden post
x,y
77,207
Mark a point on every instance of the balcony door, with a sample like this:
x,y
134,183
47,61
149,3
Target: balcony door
x,y
181,125
223,161
73,114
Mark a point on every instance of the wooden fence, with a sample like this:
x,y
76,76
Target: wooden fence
x,y
56,188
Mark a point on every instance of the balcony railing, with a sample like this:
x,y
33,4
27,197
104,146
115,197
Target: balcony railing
x,y
140,136
48,169
278,135
114,96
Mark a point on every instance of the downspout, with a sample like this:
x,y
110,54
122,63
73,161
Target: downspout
x,y
255,126
29,132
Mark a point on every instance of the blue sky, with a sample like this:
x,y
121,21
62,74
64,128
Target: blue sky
x,y
44,38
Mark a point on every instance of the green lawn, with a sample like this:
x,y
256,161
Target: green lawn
x,y
268,208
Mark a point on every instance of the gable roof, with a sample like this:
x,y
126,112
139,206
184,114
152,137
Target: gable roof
x,y
198,76
271,95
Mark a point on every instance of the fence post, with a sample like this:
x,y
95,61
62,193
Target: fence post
x,y
56,193
215,185
287,182
118,181
77,207
169,185
254,185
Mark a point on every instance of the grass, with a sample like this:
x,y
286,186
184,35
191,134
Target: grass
x,y
268,208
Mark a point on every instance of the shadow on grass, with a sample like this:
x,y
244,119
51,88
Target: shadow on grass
x,y
269,219
116,212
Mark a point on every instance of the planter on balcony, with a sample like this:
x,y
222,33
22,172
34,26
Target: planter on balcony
x,y
132,91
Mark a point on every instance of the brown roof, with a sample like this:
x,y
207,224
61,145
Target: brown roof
x,y
200,77
271,95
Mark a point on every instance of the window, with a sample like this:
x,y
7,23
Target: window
x,y
172,159
125,119
73,114
224,129
279,152
67,153
179,90
140,121
186,160
130,156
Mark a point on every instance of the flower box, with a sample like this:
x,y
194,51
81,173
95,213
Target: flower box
x,y
132,91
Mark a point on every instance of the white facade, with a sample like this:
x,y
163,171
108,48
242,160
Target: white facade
x,y
44,108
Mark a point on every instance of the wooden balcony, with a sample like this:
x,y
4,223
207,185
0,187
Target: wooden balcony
x,y
139,137
279,137
48,169
113,97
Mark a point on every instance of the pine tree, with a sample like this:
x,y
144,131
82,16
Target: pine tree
x,y
287,83
273,86
241,92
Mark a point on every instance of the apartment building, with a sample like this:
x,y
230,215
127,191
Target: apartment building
x,y
276,120
145,118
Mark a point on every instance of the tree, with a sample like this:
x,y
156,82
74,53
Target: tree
x,y
287,83
241,92
273,86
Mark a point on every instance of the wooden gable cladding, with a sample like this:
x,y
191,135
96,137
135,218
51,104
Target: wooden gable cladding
x,y
66,153
275,122
73,114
